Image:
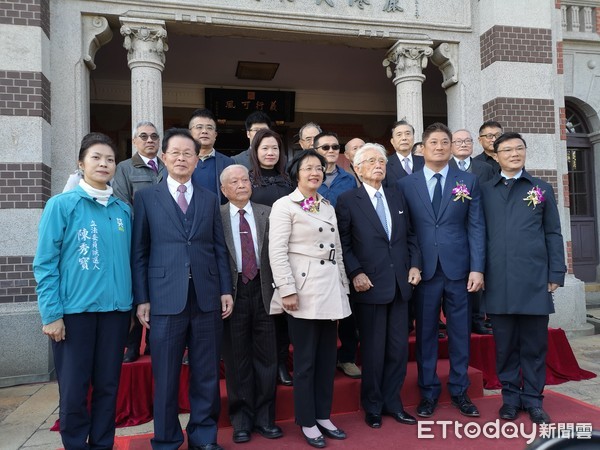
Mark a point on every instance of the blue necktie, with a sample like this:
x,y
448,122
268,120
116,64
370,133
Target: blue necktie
x,y
380,210
437,194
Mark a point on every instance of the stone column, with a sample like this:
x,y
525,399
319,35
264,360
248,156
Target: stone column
x,y
146,43
409,58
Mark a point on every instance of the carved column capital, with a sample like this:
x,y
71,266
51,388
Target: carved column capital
x,y
145,41
409,59
445,57
94,34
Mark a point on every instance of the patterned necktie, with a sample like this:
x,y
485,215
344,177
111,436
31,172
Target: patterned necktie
x,y
181,200
437,194
153,165
462,165
249,267
407,168
380,210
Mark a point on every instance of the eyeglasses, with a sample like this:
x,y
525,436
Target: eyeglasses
x,y
310,169
186,155
491,136
372,161
506,150
326,147
201,127
153,137
460,142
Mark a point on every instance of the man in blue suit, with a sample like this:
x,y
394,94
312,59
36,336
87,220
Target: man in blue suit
x,y
182,287
444,205
403,162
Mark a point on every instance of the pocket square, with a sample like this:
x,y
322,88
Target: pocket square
x,y
401,212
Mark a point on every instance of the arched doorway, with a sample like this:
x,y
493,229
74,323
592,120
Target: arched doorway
x,y
580,161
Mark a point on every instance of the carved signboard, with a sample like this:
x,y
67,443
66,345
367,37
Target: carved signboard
x,y
237,104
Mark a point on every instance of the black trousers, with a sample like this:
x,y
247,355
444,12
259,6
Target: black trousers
x,y
250,356
521,348
91,355
348,334
315,343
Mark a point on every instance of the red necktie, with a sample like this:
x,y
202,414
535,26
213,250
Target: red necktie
x,y
249,267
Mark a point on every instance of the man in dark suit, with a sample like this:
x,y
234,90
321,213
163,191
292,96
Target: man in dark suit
x,y
444,205
403,162
488,133
379,247
462,149
182,287
525,265
249,348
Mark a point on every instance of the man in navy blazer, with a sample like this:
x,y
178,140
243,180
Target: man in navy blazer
x,y
383,261
182,288
403,162
445,207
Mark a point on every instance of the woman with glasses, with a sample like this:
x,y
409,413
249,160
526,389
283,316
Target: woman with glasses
x,y
312,289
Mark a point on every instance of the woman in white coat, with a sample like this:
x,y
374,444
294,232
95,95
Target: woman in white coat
x,y
312,288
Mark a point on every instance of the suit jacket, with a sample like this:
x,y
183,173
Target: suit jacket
x,y
456,238
483,171
484,157
134,174
164,256
261,219
368,250
524,245
221,161
394,170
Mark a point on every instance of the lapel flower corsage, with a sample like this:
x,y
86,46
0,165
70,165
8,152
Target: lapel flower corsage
x,y
310,205
534,197
461,192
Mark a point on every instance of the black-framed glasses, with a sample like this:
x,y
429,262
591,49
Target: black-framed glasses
x,y
153,137
326,147
491,136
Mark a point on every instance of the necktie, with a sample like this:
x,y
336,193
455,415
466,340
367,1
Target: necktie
x,y
380,210
181,201
407,168
153,165
461,165
249,268
437,194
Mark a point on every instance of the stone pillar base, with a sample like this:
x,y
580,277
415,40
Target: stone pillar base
x,y
569,303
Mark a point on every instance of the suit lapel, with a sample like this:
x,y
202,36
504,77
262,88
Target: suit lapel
x,y
394,209
260,220
451,181
199,205
423,193
365,204
165,200
226,219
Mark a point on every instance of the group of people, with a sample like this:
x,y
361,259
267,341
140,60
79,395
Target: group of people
x,y
234,258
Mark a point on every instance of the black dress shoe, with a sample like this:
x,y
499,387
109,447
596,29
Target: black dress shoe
x,y
402,417
487,323
131,355
269,431
373,420
318,442
240,436
333,434
426,407
283,376
213,446
538,415
465,405
481,330
508,412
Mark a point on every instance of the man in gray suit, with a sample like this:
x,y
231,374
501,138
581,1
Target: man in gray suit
x,y
249,349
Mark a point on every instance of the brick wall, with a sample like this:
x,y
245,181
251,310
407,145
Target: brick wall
x,y
560,67
24,94
566,190
570,257
524,115
24,185
35,13
516,44
16,279
563,123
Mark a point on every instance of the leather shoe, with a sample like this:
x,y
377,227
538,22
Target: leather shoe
x,y
213,446
240,436
481,330
283,376
350,369
269,431
508,412
373,420
402,417
426,407
333,434
465,405
538,415
318,442
131,355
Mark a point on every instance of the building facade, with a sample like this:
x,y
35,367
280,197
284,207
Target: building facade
x,y
69,67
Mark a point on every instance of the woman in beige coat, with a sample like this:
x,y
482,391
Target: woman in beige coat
x,y
312,288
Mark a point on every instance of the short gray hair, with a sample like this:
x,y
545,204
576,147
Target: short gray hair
x,y
369,146
463,129
228,169
142,123
308,125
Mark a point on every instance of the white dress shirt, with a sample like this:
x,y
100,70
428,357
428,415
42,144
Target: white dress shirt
x,y
173,185
371,192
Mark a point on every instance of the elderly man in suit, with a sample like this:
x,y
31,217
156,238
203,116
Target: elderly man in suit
x,y
525,265
379,248
445,207
249,349
182,288
403,162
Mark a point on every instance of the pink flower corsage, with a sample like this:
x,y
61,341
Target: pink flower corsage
x,y
461,192
535,196
310,205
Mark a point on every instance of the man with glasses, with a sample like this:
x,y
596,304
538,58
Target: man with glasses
x,y
307,134
257,120
403,162
488,133
143,169
203,127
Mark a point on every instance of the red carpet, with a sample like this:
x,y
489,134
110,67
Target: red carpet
x,y
392,435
